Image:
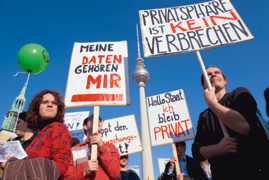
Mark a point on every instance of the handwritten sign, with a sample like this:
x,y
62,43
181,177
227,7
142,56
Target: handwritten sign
x,y
182,29
169,118
98,75
123,133
74,122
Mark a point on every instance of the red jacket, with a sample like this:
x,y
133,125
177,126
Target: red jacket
x,y
108,161
54,145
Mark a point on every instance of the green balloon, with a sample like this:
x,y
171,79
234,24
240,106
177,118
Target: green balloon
x,y
33,58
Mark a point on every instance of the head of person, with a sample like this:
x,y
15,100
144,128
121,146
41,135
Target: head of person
x,y
22,125
123,161
181,148
204,164
88,125
44,106
216,77
266,96
74,141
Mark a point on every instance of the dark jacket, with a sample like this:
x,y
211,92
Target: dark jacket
x,y
194,169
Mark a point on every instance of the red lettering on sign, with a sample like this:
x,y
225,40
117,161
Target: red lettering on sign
x,y
105,81
96,97
190,23
156,131
114,79
177,26
206,23
172,129
108,59
164,129
100,58
84,60
118,59
212,18
93,59
168,109
96,81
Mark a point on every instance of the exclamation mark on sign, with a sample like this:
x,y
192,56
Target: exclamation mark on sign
x,y
77,124
126,147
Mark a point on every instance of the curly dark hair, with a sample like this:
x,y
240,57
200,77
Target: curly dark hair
x,y
33,109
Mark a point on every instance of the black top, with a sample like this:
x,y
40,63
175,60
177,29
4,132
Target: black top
x,y
26,142
44,123
246,162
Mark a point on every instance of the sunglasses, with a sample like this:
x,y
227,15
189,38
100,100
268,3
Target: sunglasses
x,y
124,157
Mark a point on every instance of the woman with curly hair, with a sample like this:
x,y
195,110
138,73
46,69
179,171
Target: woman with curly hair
x,y
51,147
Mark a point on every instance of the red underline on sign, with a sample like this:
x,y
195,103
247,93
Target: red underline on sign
x,y
96,97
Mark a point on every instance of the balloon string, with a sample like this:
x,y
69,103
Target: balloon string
x,y
16,122
18,73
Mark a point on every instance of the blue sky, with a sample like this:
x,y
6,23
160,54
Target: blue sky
x,y
56,25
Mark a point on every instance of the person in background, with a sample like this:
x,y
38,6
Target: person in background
x,y
243,155
106,167
74,142
126,174
206,168
190,169
49,153
24,133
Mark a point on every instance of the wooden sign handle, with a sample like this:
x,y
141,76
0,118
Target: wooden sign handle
x,y
95,129
175,155
223,127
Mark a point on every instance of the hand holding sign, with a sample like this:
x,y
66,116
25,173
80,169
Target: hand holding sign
x,y
96,138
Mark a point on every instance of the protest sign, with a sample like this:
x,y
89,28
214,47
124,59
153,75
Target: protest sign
x,y
74,123
190,28
98,75
162,162
169,118
123,133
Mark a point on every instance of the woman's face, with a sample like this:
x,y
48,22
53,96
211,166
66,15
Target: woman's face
x,y
48,107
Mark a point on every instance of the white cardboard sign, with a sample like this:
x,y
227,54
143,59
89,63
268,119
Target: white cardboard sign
x,y
162,162
98,75
74,123
194,27
169,118
123,133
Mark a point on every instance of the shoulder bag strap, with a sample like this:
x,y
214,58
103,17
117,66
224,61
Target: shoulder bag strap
x,y
38,140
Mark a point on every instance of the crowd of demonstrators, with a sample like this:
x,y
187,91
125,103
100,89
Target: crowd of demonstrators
x,y
243,155
126,174
106,167
49,153
190,169
54,154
